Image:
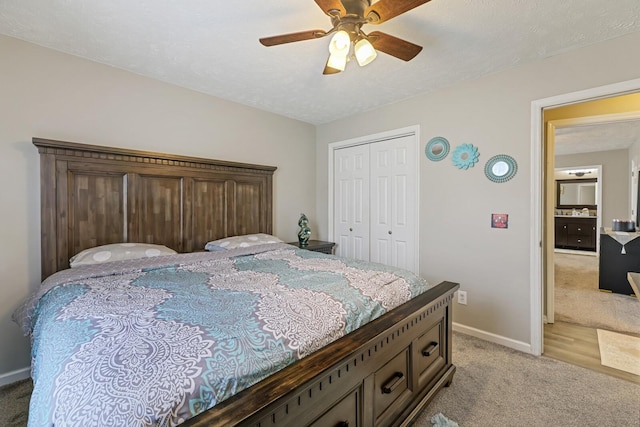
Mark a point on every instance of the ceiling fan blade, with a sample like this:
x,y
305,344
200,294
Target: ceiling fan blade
x,y
328,6
384,10
292,37
394,46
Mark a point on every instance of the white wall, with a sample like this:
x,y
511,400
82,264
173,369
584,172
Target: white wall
x,y
615,180
494,114
52,95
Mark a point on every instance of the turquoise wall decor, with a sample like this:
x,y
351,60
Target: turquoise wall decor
x,y
500,168
437,149
465,156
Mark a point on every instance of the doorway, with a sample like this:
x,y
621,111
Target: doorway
x,y
542,203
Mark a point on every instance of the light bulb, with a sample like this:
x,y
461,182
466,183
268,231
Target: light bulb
x,y
365,53
339,62
340,43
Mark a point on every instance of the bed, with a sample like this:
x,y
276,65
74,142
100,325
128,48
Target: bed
x,y
303,338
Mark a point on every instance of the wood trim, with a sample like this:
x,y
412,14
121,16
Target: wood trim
x,y
74,149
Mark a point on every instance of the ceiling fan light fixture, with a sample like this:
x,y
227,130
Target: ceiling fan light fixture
x,y
348,41
365,53
340,44
336,61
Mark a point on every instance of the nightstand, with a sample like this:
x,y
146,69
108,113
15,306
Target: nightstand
x,y
316,246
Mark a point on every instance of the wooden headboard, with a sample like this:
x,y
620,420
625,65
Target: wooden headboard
x,y
93,195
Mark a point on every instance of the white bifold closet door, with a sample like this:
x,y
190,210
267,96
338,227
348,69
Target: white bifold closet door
x,y
375,202
393,181
351,202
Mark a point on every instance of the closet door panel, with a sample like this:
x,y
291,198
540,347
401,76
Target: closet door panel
x,y
381,200
351,202
403,207
393,175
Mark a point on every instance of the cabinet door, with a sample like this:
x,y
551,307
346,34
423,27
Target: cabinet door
x,y
561,233
351,202
393,198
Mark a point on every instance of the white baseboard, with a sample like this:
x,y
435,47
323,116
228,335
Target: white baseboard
x,y
497,339
13,376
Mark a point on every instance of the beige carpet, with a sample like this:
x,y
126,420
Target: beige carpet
x,y
619,351
495,386
578,299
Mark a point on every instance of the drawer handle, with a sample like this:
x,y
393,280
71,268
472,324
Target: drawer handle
x,y
430,350
343,424
393,383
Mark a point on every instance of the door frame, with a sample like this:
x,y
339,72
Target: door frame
x,y
539,242
370,139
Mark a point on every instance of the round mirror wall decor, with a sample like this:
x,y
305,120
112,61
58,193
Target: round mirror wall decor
x,y
500,168
437,149
465,156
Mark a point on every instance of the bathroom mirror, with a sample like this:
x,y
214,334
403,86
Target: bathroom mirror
x,y
437,149
500,168
576,193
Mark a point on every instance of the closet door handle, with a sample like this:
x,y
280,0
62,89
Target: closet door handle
x,y
389,231
351,229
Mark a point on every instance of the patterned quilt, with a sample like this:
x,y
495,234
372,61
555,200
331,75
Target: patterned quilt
x,y
157,341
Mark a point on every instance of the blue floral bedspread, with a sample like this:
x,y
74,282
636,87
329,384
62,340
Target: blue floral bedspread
x,y
157,341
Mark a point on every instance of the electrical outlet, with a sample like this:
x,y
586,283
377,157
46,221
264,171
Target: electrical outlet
x,y
462,297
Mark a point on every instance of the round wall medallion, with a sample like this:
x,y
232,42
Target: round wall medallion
x,y
465,156
437,149
501,168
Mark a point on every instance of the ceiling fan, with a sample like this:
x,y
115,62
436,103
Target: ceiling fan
x,y
347,18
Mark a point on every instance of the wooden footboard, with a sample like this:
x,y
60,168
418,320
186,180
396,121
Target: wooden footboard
x,y
382,374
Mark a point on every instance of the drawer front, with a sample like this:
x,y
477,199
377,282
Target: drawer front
x,y
580,229
429,352
391,383
342,414
324,249
581,241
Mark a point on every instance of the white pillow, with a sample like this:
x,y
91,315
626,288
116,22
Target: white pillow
x,y
241,241
118,252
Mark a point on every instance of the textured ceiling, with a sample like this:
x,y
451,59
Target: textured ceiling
x,y
212,46
597,137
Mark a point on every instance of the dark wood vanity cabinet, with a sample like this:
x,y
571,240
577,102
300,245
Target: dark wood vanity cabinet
x,y
574,232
